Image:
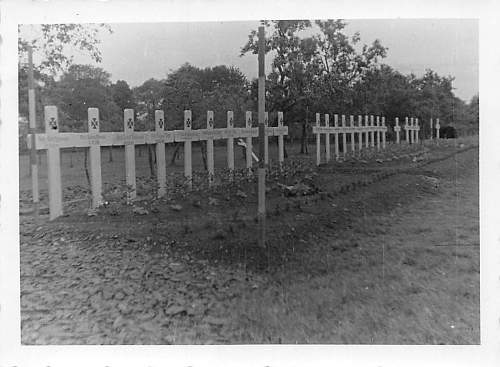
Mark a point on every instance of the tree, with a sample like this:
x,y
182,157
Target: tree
x,y
81,87
340,66
51,44
122,95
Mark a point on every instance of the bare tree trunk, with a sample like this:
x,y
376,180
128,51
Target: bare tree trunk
x,y
303,140
85,165
203,147
150,160
176,153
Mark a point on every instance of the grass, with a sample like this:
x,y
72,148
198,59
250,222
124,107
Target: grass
x,y
396,261
393,283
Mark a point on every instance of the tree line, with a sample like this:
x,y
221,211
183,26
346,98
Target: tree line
x,y
316,67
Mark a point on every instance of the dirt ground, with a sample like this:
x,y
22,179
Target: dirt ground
x,y
382,249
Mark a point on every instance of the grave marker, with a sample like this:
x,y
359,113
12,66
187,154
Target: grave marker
x,y
407,132
230,143
318,141
161,170
327,138
360,134
384,131
188,169
367,132
210,148
344,137
95,157
53,162
128,127
378,132
281,147
372,131
336,135
351,123
397,129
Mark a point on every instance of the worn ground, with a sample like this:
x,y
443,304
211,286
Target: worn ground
x,y
382,249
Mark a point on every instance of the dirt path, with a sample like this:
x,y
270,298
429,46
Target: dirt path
x,y
378,255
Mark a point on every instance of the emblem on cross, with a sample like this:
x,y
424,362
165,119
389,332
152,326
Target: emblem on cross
x,y
160,123
93,123
53,123
249,122
231,122
188,122
130,123
211,122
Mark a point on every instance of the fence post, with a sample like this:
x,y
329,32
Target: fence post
x,y
318,141
351,123
230,144
53,162
266,139
360,134
188,169
437,129
344,138
327,138
336,124
210,149
383,132
378,132
281,152
128,121
431,129
248,119
95,157
161,168
372,131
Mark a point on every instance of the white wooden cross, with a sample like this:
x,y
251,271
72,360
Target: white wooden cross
x,y
417,130
384,132
407,131
360,135
377,123
412,130
336,135
397,129
372,132
351,124
327,138
316,130
280,131
344,137
367,132
53,141
210,147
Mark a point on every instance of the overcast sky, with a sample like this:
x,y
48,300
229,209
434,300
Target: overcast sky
x,y
136,52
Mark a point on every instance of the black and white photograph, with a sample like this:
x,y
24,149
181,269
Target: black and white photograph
x,y
265,181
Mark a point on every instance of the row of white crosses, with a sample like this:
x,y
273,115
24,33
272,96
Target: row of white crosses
x,y
437,128
412,129
53,141
373,129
